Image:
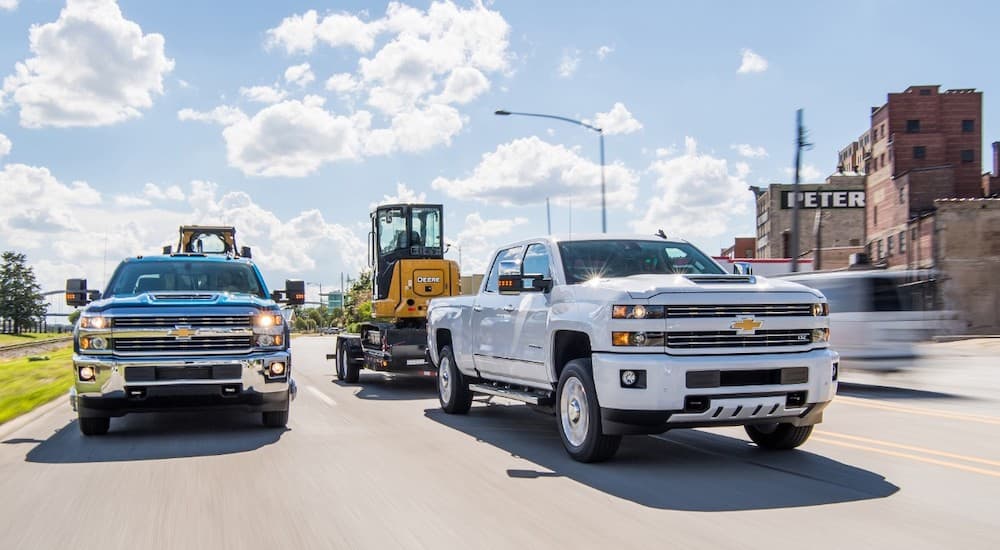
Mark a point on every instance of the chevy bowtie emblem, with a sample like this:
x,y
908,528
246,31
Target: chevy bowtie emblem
x,y
746,325
181,332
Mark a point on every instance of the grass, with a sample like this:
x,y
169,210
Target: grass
x,y
25,385
8,339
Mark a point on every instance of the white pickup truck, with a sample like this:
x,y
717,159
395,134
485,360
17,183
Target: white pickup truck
x,y
636,335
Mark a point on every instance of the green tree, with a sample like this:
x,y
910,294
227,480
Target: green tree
x,y
21,301
73,316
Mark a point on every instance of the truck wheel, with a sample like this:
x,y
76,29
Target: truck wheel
x,y
453,388
94,425
275,419
778,437
346,371
579,415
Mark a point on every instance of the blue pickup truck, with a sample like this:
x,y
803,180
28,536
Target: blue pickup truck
x,y
186,330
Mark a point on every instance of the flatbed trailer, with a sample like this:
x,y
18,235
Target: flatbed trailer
x,y
384,348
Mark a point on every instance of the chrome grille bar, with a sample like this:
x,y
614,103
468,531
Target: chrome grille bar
x,y
732,339
241,321
762,310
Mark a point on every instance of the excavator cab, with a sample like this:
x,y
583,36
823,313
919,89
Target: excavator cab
x,y
406,253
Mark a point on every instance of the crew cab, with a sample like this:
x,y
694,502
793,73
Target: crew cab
x,y
181,331
631,334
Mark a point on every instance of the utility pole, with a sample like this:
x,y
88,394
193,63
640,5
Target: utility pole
x,y
800,145
548,217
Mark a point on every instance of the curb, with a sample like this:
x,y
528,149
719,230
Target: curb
x,y
38,413
961,337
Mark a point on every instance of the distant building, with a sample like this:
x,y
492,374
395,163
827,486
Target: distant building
x,y
743,247
834,211
991,181
924,145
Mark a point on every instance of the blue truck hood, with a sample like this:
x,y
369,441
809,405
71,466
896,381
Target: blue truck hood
x,y
190,302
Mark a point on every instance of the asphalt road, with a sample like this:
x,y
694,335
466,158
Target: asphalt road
x,y
378,465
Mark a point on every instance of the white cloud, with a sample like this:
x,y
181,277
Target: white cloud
x,y
5,146
616,121
293,139
604,51
91,67
749,151
696,196
403,195
38,204
300,74
414,66
223,114
527,170
263,94
342,83
9,5
752,62
480,237
806,173
666,151
569,63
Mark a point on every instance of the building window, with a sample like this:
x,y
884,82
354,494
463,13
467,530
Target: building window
x,y
925,91
888,245
882,160
968,125
968,155
913,235
919,152
879,248
855,242
875,216
902,242
902,193
912,126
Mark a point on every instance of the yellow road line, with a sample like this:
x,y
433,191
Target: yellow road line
x,y
882,405
917,458
911,448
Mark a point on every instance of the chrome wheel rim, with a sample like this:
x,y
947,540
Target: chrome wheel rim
x,y
444,379
575,409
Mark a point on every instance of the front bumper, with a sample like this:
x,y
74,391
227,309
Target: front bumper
x,y
666,401
125,385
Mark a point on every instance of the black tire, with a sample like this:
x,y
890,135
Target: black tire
x,y
346,369
778,437
453,387
275,419
590,443
98,425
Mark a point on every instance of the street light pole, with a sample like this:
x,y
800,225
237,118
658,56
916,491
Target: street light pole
x,y
600,134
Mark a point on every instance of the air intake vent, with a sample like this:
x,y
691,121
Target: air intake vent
x,y
721,279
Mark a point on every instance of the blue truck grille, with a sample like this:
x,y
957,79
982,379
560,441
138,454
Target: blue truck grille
x,y
196,344
143,322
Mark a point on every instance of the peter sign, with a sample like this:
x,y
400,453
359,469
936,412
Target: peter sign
x,y
825,199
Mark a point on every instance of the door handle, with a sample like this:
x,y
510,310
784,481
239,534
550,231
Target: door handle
x,y
477,308
509,308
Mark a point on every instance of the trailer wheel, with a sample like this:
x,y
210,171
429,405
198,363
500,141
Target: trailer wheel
x,y
453,388
346,370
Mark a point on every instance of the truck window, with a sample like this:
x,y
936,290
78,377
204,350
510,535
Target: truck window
x,y
392,231
585,260
536,261
139,277
508,255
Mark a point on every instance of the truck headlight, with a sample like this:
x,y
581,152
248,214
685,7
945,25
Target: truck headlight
x,y
86,374
268,319
268,340
94,343
637,311
821,310
94,321
820,335
645,339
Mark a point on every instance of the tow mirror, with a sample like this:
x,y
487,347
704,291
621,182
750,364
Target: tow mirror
x,y
295,292
515,283
166,250
76,292
245,252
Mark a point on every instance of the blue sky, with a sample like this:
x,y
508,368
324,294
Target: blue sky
x,y
86,129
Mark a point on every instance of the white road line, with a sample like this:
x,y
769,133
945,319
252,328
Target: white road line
x,y
322,396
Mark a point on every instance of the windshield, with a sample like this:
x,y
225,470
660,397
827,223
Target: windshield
x,y
585,260
200,276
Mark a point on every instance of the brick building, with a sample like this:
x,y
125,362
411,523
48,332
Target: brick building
x,y
838,204
991,181
925,144
742,248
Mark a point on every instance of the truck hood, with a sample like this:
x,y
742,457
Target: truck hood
x,y
207,300
644,287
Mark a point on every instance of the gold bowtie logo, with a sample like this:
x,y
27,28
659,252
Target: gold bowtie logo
x,y
746,324
181,332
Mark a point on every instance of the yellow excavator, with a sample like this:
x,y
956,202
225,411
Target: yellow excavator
x,y
406,254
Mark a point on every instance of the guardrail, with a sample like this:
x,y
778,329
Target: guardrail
x,y
28,345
